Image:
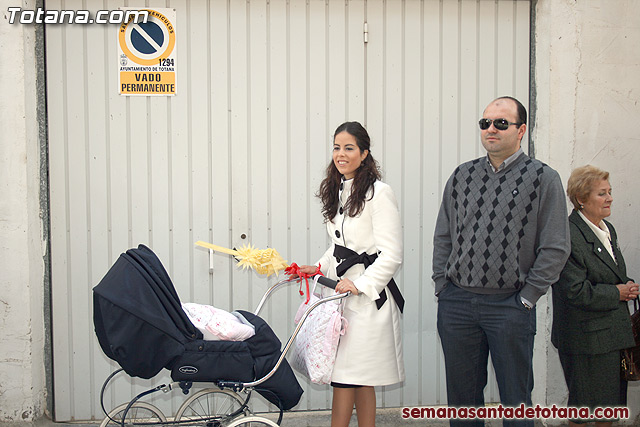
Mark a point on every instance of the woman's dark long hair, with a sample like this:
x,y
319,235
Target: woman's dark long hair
x,y
363,180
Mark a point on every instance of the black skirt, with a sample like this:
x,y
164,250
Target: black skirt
x,y
594,381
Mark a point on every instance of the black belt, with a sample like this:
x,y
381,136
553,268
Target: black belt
x,y
350,258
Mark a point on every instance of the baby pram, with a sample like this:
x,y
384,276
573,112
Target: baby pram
x,y
140,324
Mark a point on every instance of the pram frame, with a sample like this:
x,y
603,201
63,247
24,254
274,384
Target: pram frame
x,y
236,417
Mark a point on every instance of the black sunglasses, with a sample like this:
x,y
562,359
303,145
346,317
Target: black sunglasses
x,y
500,124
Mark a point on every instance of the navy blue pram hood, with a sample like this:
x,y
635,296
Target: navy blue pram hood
x,y
138,317
140,324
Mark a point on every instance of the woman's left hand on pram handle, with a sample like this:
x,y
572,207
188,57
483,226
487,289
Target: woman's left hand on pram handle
x,y
346,285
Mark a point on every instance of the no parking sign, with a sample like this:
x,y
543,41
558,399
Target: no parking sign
x,y
147,54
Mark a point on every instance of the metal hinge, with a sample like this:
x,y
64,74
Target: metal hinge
x,y
366,32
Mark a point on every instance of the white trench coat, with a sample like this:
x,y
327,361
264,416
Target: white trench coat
x,y
370,353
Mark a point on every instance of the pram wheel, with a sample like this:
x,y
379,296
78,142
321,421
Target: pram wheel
x,y
139,413
211,403
252,421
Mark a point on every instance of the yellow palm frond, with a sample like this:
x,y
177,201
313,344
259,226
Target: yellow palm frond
x,y
264,261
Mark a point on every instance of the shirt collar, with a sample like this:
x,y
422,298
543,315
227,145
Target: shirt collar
x,y
512,158
602,233
601,230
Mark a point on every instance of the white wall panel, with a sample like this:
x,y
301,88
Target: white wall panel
x,y
242,148
430,365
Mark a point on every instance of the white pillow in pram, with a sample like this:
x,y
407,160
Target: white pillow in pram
x,y
217,324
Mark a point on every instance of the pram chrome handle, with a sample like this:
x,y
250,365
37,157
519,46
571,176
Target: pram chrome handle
x,y
322,280
270,291
296,330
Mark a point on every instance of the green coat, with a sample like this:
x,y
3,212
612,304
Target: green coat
x,y
588,316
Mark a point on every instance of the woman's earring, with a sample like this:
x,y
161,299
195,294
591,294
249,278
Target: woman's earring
x,y
581,206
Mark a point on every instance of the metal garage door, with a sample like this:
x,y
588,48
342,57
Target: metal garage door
x,y
238,153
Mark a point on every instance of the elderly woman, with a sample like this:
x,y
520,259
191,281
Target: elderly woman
x,y
591,321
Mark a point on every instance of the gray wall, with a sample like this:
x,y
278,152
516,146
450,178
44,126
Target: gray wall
x,y
242,147
587,112
22,339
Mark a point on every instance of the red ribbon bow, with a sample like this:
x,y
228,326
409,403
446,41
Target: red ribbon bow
x,y
294,270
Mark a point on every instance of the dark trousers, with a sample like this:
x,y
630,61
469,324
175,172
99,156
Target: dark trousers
x,y
472,326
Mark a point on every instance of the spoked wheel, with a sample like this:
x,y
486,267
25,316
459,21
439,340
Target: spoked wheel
x,y
252,421
140,413
210,404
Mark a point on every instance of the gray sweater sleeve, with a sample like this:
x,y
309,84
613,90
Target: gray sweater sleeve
x,y
442,240
553,243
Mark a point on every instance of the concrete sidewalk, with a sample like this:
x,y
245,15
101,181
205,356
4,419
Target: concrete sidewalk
x,y
384,418
389,417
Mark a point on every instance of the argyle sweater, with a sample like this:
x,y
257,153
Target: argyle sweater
x,y
502,232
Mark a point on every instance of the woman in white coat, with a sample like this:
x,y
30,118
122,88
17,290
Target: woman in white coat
x,y
363,221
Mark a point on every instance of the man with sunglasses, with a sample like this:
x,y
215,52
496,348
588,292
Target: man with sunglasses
x,y
501,239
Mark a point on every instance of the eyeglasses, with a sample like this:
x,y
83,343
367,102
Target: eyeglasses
x,y
500,124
